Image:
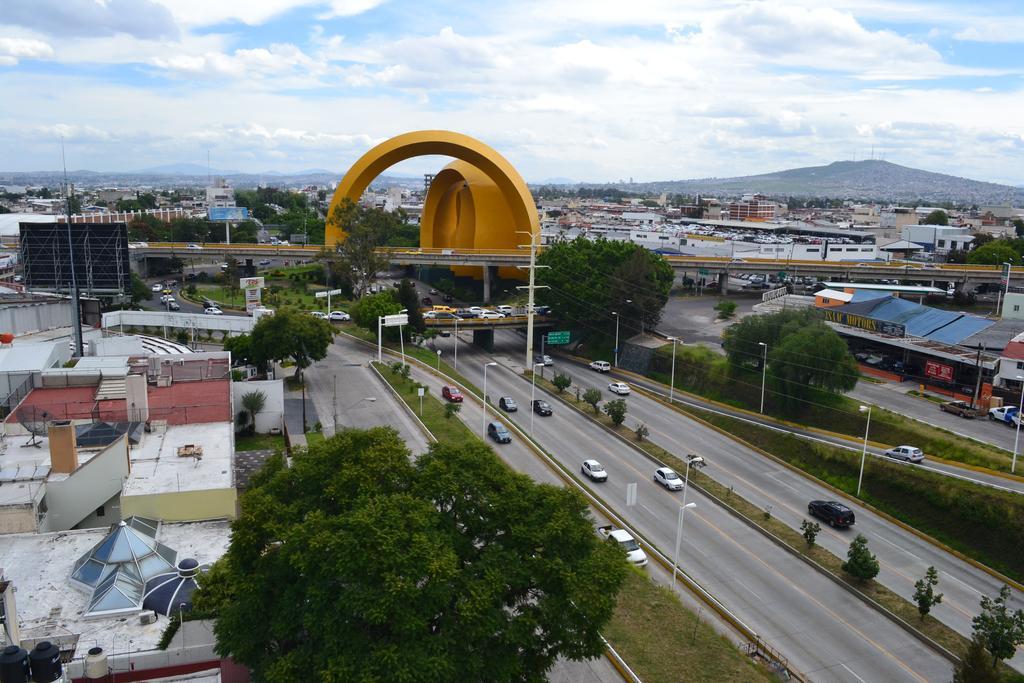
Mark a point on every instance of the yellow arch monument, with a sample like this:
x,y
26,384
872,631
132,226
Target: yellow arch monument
x,y
478,201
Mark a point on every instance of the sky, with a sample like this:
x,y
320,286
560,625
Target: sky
x,y
586,90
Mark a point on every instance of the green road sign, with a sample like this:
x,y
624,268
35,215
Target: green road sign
x,y
561,337
703,272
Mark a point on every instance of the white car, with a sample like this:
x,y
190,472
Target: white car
x,y
213,310
594,470
339,316
544,360
668,478
157,287
490,315
429,315
620,388
318,314
504,308
476,310
166,298
192,246
622,538
601,366
906,453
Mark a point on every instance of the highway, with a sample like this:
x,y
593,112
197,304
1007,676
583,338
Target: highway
x,y
903,556
825,631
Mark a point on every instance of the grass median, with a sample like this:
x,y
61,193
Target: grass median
x,y
649,620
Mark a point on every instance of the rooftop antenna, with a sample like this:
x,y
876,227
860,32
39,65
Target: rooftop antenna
x,y
76,325
209,170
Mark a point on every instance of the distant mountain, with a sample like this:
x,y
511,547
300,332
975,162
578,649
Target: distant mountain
x,y
868,180
554,181
184,169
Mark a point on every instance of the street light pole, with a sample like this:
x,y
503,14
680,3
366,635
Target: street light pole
x,y
679,537
533,393
439,360
615,313
456,343
483,422
764,372
1006,287
864,449
401,341
672,386
1016,439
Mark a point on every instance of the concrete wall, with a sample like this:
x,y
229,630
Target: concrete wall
x,y
273,411
182,506
72,499
17,519
21,319
1013,306
235,324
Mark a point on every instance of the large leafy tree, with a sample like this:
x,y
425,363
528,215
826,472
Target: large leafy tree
x,y
290,333
742,340
937,217
366,311
994,253
410,302
366,229
811,357
358,564
999,627
589,279
140,290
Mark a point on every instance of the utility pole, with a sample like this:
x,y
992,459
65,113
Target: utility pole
x,y
76,326
977,383
528,363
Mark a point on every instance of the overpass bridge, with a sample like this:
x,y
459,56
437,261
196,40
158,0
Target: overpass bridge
x,y
488,259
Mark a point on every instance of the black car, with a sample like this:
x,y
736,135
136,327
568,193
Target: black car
x,y
542,407
832,513
426,301
498,432
508,404
448,298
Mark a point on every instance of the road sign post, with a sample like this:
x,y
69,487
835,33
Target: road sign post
x,y
329,293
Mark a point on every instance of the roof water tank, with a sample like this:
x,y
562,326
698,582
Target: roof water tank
x,y
96,666
14,665
45,661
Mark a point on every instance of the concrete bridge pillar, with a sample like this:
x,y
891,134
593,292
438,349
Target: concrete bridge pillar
x,y
487,284
723,282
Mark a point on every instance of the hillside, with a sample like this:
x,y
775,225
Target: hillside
x,y
870,179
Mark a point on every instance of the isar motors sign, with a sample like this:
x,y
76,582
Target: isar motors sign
x,y
865,323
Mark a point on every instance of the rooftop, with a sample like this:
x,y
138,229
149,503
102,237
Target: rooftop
x,y
159,467
40,566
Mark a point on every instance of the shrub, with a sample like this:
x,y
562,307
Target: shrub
x,y
860,562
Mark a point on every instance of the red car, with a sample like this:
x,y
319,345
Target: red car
x,y
452,394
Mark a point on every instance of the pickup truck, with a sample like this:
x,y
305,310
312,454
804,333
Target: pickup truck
x,y
961,408
623,539
1008,415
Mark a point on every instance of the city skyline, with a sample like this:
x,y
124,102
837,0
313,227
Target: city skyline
x,y
587,91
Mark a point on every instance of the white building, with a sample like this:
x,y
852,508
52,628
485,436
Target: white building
x,y
940,239
220,194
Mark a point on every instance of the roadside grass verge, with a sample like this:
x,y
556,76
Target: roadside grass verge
x,y
259,442
706,374
424,355
313,438
663,640
649,620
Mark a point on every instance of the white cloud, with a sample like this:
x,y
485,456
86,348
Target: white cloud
x,y
140,18
277,60
256,12
13,49
993,30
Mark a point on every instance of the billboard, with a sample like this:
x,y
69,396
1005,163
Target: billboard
x,y
99,252
865,323
227,213
939,371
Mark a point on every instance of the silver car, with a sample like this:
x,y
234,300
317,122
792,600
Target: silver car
x,y
906,453
668,478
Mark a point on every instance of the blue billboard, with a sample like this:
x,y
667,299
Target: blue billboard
x,y
227,213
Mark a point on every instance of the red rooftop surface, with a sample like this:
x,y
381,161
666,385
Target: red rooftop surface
x,y
181,403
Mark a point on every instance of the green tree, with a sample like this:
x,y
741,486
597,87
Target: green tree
x,y
924,592
291,333
936,217
589,279
994,253
365,230
593,397
366,311
561,382
976,666
253,402
810,357
742,340
1000,629
810,532
860,562
411,303
616,410
450,409
726,309
140,290
360,563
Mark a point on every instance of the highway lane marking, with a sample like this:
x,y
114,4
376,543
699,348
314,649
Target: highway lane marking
x,y
852,672
751,590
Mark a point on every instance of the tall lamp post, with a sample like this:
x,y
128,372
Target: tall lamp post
x,y
672,386
483,421
533,393
1006,288
456,343
764,372
401,341
1016,439
864,449
698,462
616,314
439,360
